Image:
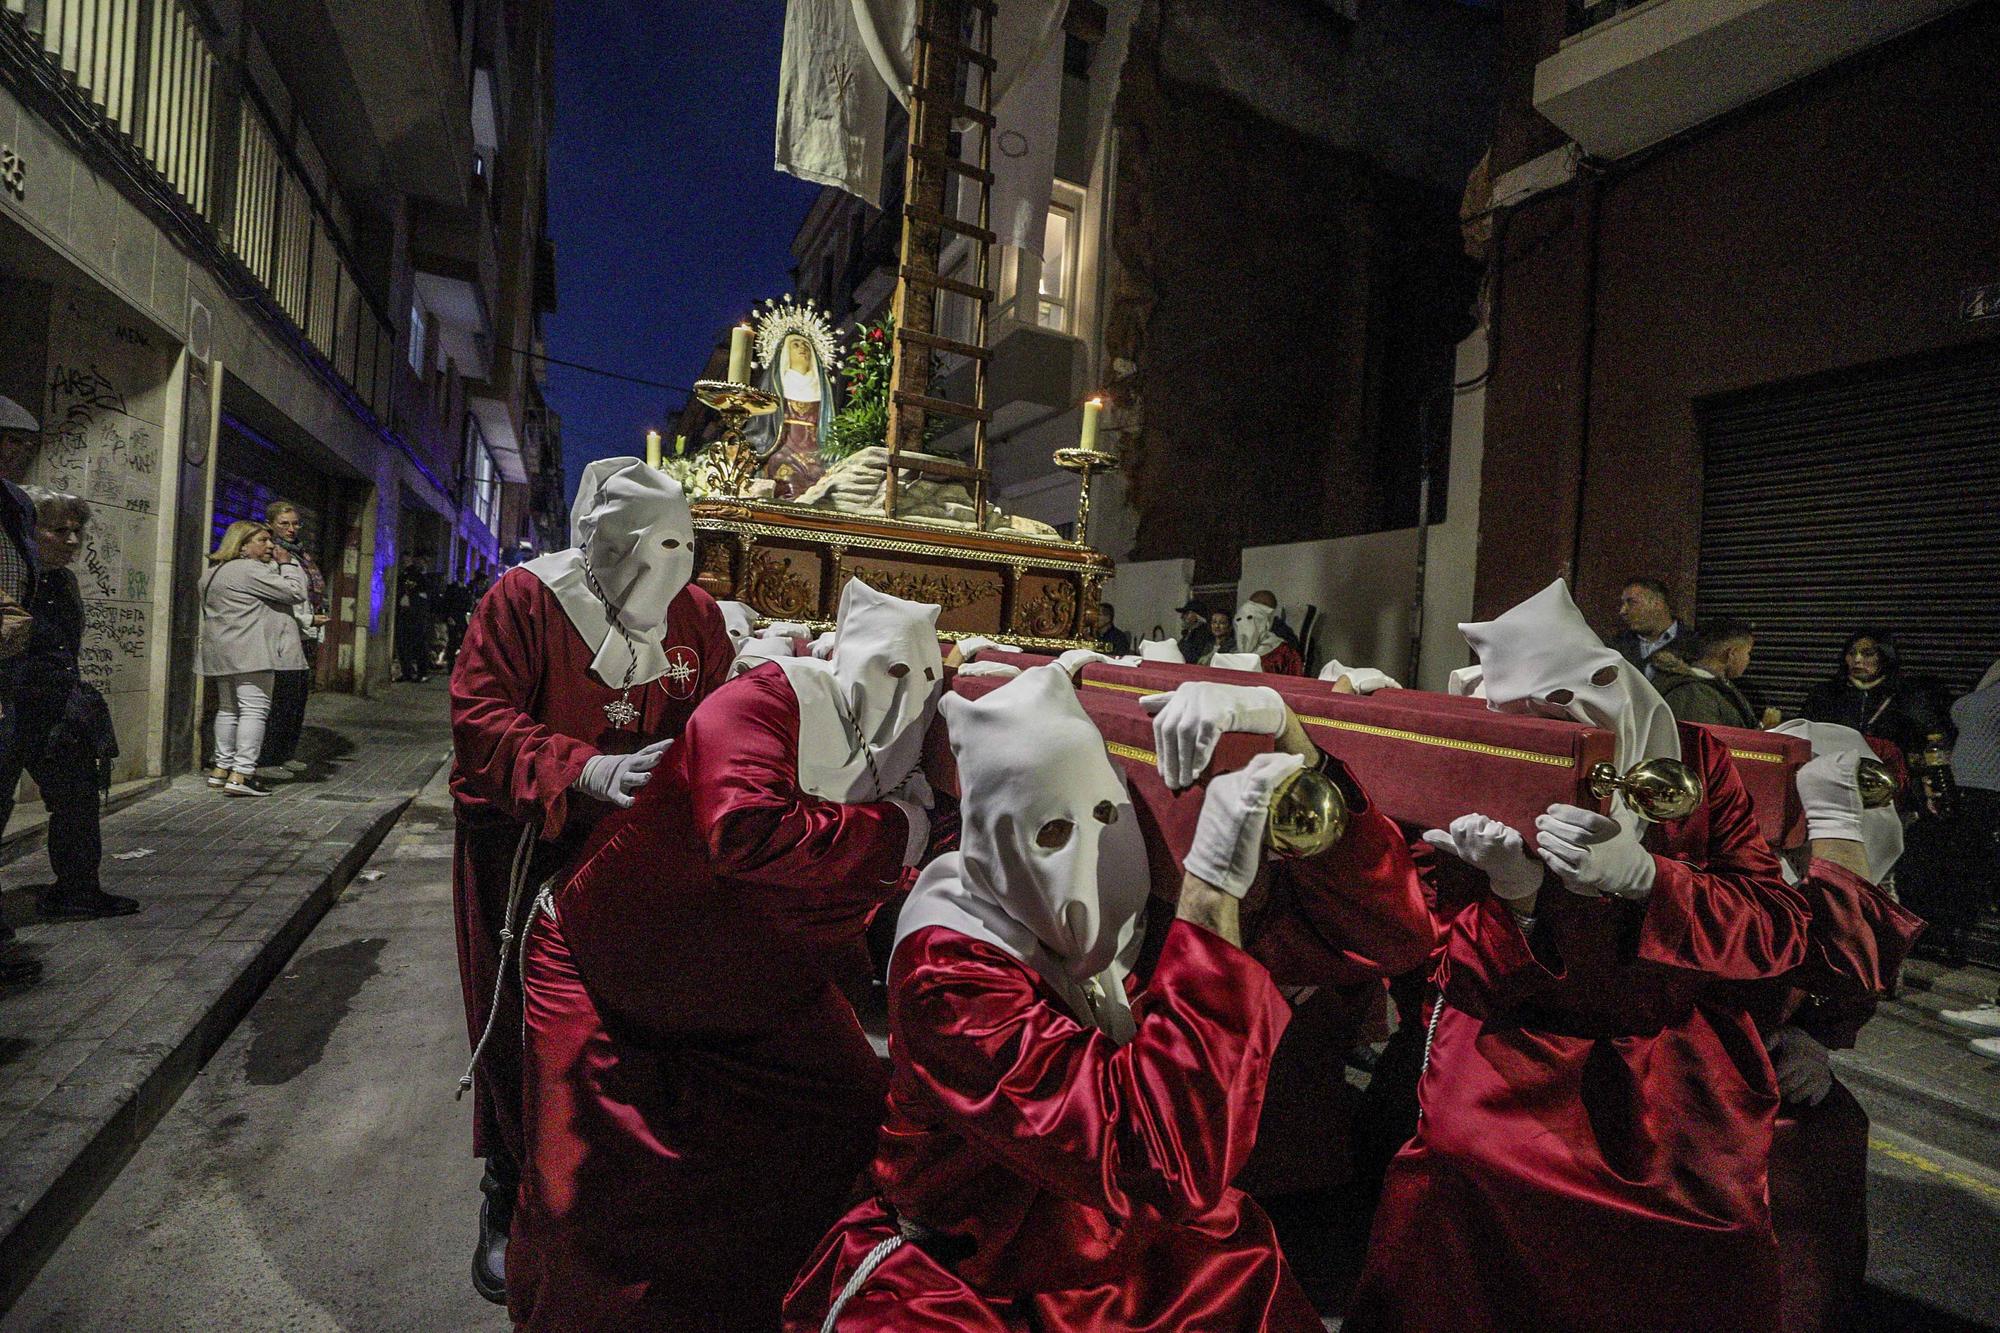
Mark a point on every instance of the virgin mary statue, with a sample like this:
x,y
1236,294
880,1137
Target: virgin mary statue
x,y
796,347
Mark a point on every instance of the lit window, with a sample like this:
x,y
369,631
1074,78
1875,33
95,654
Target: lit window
x,y
1057,309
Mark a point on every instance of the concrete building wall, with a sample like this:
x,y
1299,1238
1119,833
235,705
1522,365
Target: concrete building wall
x,y
1833,225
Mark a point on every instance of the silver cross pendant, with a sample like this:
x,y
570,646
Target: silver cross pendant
x,y
621,712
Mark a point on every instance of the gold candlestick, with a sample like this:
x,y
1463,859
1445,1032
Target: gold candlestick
x,y
730,463
1086,461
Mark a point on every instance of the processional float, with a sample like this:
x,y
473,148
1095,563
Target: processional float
x,y
929,532
1425,759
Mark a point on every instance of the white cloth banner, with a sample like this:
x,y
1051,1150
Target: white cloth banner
x,y
832,104
1029,39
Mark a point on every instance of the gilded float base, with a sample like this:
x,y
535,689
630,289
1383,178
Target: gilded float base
x,y
789,562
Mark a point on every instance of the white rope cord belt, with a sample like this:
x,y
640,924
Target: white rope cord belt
x,y
862,1272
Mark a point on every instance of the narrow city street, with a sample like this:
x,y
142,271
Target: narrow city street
x,y
315,1174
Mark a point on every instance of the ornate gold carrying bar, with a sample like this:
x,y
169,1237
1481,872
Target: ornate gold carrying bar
x,y
789,562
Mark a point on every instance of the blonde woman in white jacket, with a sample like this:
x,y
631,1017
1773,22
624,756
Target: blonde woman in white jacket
x,y
247,634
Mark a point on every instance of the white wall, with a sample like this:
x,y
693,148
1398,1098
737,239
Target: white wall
x,y
111,398
1147,593
1364,587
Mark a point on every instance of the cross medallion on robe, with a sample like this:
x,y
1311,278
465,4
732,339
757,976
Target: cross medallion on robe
x,y
621,712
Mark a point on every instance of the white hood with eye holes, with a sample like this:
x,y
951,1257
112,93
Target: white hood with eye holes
x,y
864,712
1052,866
633,522
1544,647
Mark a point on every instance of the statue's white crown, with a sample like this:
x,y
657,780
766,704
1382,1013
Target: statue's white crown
x,y
779,319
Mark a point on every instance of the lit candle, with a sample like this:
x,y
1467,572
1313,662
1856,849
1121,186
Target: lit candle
x,y
653,448
739,354
1092,408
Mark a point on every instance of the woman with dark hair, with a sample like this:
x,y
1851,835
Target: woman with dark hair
x,y
1867,692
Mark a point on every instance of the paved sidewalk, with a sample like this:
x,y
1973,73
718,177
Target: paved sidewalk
x,y
130,1009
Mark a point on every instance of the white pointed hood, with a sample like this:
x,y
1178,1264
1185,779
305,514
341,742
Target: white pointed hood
x,y
1541,658
630,528
1253,628
739,620
1881,830
864,711
1033,772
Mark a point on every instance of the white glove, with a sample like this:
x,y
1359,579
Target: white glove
x,y
1592,853
988,669
1188,722
822,647
974,644
1832,796
615,777
1805,1071
1489,845
786,629
1076,659
1229,838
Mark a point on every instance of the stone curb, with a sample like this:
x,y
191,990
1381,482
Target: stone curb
x,y
121,1091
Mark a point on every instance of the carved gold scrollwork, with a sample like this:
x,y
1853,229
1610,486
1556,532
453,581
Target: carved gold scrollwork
x,y
774,589
1049,613
943,590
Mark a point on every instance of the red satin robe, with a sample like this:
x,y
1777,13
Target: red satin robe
x,y
1340,922
1819,1154
1596,1131
1284,660
1088,1182
700,1098
526,715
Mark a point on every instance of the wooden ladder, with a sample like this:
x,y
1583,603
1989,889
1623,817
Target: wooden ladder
x,y
953,57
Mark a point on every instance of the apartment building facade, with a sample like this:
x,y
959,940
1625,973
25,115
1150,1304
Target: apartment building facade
x,y
262,249
1745,295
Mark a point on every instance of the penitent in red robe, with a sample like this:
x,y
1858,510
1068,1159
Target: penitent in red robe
x,y
526,714
1597,1113
1087,1183
1819,1154
1098,1185
700,1098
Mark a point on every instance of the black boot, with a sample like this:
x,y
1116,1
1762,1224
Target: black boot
x,y
489,1256
83,904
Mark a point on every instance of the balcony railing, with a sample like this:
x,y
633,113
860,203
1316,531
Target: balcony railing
x,y
148,71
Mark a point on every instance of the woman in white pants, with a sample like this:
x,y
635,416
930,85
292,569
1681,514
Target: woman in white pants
x,y
247,635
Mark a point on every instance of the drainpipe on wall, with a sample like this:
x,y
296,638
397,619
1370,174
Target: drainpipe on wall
x,y
1586,353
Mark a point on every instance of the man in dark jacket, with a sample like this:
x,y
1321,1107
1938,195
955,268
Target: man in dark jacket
x,y
1704,689
1650,624
1197,640
20,437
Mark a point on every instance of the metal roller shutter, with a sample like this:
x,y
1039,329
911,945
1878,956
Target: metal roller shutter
x,y
1872,500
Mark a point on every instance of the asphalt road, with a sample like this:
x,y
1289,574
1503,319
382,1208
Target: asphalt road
x,y
316,1175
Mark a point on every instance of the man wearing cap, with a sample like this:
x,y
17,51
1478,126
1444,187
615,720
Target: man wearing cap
x,y
578,669
20,435
1596,1101
1197,639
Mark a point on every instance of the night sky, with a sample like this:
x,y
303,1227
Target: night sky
x,y
668,219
